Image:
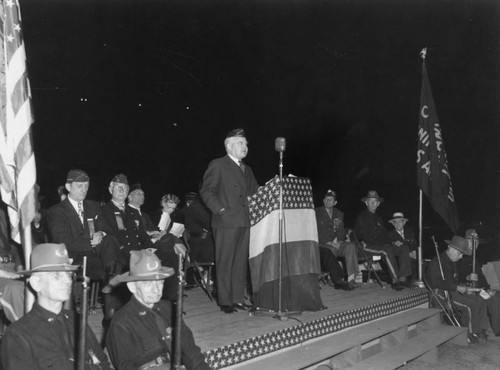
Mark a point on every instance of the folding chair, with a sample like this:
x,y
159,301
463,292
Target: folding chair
x,y
196,267
366,258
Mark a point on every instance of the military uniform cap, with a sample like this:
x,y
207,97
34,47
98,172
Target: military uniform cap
x,y
120,178
76,176
239,132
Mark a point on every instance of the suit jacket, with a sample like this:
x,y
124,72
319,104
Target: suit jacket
x,y
65,226
226,186
370,228
330,228
410,240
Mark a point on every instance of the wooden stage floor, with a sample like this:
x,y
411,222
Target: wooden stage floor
x,y
221,336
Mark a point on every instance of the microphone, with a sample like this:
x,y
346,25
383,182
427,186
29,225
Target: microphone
x,y
280,144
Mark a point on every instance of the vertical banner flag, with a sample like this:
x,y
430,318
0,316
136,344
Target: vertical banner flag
x,y
17,160
433,176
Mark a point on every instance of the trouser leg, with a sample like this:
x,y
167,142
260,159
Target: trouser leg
x,y
348,250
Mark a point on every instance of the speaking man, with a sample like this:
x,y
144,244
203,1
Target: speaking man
x,y
227,184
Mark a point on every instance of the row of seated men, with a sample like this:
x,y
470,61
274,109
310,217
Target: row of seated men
x,y
396,247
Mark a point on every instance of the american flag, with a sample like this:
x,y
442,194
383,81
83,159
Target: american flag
x,y
300,234
17,160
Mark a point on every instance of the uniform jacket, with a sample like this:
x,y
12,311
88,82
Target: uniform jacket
x,y
330,228
138,335
226,186
132,234
370,228
43,340
433,273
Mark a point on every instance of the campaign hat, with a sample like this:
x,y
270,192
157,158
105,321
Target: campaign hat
x,y
330,193
50,257
144,265
460,244
372,194
76,176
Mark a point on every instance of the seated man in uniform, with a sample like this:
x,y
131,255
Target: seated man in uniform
x,y
140,334
370,229
45,337
333,243
472,307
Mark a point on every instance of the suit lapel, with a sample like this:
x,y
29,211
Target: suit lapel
x,y
72,214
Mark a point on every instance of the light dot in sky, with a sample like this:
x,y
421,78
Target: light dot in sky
x,y
175,124
187,108
140,105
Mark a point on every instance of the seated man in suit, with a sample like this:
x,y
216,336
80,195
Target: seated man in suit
x,y
403,235
332,242
78,223
370,229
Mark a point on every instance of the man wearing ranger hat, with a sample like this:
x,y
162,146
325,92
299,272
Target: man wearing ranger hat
x,y
371,230
473,307
140,334
227,184
45,337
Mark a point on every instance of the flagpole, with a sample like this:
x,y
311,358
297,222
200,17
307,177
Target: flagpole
x,y
29,298
420,283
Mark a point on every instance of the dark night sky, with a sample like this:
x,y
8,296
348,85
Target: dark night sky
x,y
163,81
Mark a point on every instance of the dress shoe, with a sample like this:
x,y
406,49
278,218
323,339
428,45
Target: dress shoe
x,y
342,285
227,309
397,286
242,306
353,284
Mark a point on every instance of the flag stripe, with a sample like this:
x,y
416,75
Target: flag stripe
x,y
17,157
299,225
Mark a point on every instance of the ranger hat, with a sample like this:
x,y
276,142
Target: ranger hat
x,y
144,265
460,244
76,176
50,257
330,193
372,194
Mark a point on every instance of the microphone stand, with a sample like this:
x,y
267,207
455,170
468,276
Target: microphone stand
x,y
280,315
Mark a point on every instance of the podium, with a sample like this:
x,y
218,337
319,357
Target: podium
x,y
300,264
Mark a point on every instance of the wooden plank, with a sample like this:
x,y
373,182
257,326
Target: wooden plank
x,y
318,350
409,350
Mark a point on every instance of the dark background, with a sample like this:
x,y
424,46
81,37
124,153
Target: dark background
x,y
150,89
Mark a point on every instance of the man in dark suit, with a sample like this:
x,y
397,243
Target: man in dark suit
x,y
227,184
77,223
403,236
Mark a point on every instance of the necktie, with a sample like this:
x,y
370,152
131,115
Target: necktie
x,y
242,166
80,211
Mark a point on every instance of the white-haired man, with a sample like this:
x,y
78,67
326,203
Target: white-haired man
x,y
140,334
227,184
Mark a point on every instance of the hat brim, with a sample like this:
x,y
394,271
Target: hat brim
x,y
364,199
161,274
398,218
50,268
466,251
